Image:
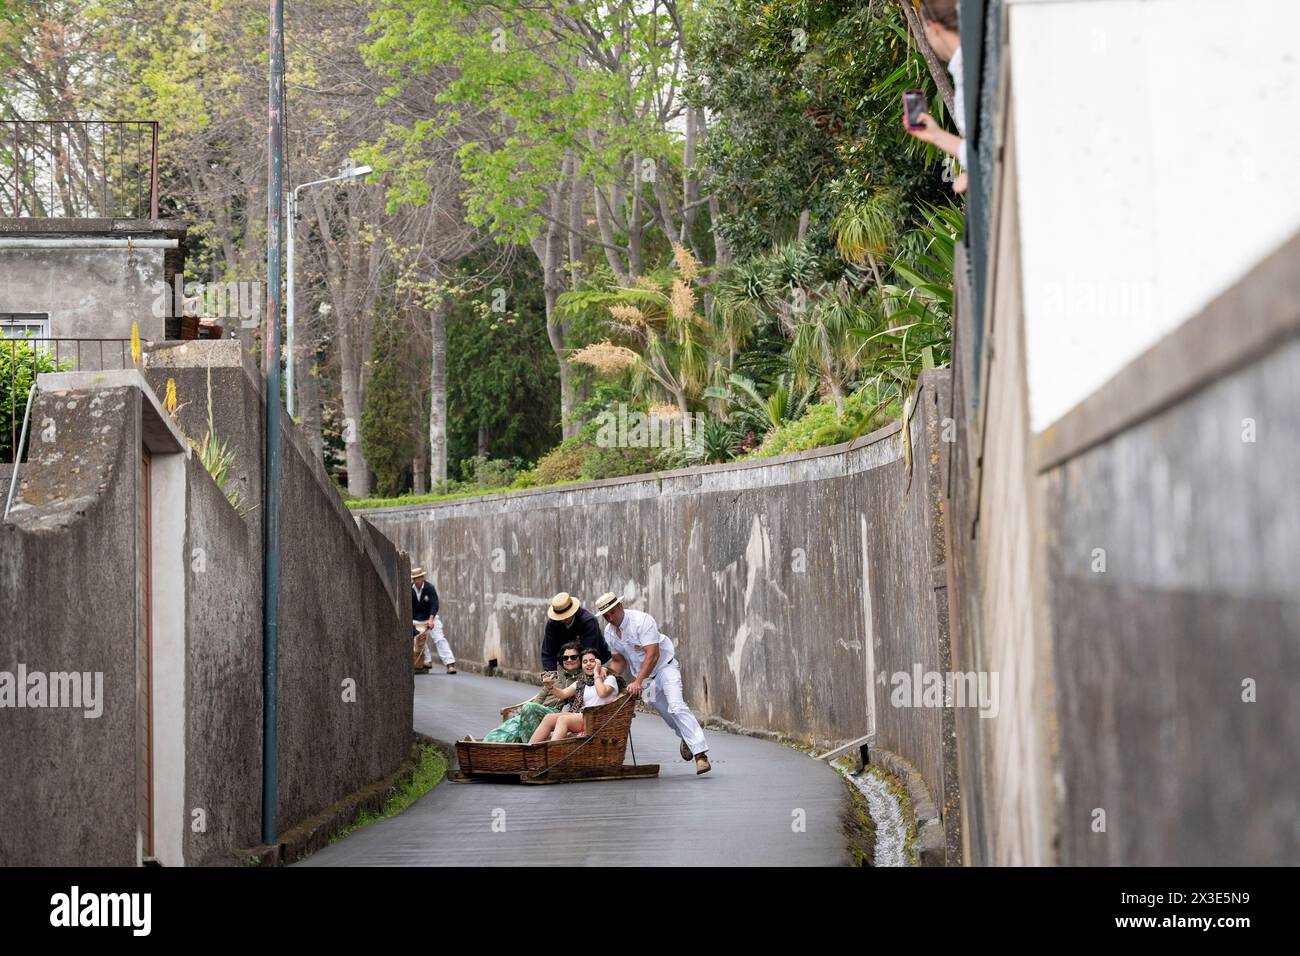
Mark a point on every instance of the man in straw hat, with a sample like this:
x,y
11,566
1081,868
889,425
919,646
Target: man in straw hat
x,y
425,621
567,620
648,655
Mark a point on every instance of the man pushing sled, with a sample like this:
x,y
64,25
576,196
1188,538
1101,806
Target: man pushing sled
x,y
650,663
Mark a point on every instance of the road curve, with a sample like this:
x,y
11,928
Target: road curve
x,y
745,813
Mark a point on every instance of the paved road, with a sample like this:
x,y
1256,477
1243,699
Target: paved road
x,y
741,814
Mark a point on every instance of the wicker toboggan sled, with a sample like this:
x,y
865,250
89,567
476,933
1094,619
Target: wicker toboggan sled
x,y
595,755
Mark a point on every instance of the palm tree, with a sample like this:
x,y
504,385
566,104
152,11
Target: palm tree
x,y
828,347
864,231
672,342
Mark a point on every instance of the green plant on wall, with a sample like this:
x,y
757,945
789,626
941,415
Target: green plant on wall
x,y
217,456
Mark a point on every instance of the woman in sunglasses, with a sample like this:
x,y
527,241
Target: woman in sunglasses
x,y
522,719
596,686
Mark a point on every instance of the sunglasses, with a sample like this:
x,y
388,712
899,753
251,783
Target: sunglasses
x,y
570,657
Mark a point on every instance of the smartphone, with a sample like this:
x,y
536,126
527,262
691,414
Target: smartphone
x,y
915,104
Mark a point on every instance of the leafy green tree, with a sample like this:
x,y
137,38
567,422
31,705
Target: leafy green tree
x,y
501,378
388,428
826,351
817,84
574,142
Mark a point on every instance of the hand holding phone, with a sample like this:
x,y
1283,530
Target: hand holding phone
x,y
915,105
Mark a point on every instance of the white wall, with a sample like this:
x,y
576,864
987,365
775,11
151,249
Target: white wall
x,y
167,607
1158,149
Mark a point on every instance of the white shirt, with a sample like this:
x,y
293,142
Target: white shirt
x,y
590,698
637,633
958,103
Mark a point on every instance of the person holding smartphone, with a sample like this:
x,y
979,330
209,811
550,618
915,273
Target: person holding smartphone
x,y
597,686
941,32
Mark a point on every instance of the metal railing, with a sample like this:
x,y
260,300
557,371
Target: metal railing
x,y
23,359
78,169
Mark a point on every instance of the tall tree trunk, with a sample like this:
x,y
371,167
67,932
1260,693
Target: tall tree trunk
x,y
555,332
721,251
690,181
548,250
420,469
349,374
308,383
687,429
438,396
837,396
576,226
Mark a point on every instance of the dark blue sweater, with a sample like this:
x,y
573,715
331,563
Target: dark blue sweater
x,y
424,602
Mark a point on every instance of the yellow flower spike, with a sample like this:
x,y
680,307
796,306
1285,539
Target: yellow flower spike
x,y
169,400
135,343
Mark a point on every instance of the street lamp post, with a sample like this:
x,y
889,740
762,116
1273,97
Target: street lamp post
x,y
290,377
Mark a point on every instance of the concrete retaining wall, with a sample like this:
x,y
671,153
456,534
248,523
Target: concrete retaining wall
x,y
1173,545
68,572
74,594
794,588
1130,573
343,613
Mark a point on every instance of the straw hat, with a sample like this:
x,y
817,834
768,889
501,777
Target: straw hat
x,y
417,572
563,606
607,601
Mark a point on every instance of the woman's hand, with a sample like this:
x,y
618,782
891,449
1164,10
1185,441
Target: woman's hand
x,y
934,134
925,132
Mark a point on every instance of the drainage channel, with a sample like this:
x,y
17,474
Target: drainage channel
x,y
893,831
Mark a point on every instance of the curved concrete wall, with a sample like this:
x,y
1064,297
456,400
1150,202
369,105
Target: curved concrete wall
x,y
793,588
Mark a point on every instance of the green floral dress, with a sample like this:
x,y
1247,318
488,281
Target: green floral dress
x,y
524,721
519,728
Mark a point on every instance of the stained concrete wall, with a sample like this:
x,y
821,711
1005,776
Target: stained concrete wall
x,y
223,672
73,598
996,570
68,571
794,588
1174,538
1130,571
343,606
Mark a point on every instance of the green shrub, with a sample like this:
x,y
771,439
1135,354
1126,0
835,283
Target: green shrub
x,y
832,435
490,472
819,427
562,463
618,462
526,479
388,433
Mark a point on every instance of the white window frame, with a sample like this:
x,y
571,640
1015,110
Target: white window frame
x,y
28,322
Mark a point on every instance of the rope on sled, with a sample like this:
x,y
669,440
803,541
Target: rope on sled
x,y
590,738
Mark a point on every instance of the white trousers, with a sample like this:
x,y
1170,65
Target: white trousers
x,y
434,637
664,694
